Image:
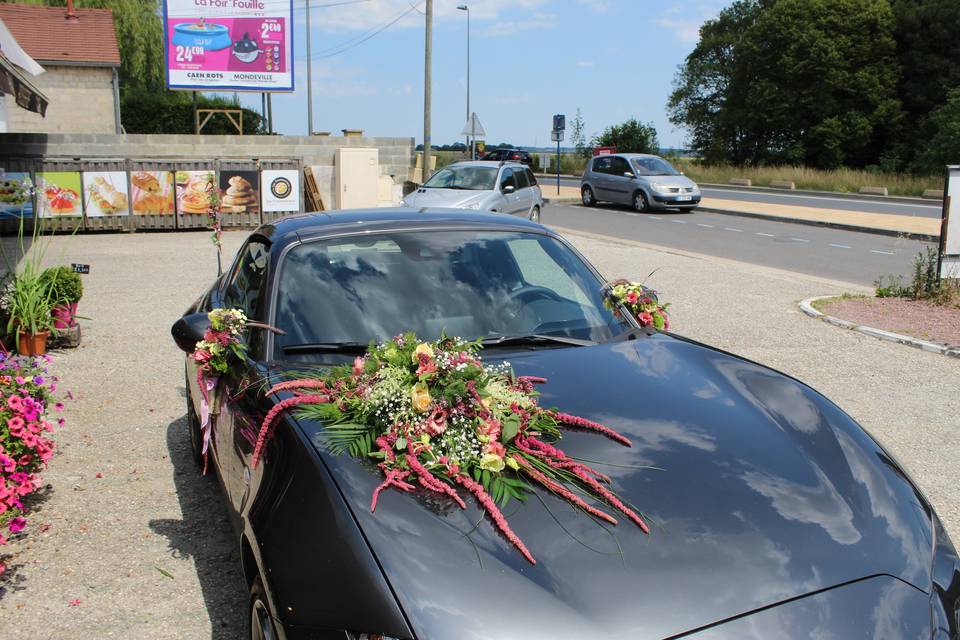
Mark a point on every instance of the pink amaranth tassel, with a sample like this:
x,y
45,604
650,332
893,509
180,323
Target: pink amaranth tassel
x,y
394,479
583,423
431,482
562,491
491,508
272,416
533,379
613,500
297,384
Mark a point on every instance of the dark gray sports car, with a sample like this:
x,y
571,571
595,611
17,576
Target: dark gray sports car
x,y
774,515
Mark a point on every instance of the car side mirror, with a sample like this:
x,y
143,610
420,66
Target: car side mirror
x,y
189,330
509,188
628,174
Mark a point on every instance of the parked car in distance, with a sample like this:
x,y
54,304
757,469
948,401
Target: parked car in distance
x,y
640,180
503,187
776,515
510,155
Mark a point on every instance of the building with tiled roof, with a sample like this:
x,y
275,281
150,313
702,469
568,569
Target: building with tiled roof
x,y
78,50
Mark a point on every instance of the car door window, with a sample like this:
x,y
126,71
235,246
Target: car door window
x,y
619,166
531,178
507,179
245,286
602,165
538,269
520,175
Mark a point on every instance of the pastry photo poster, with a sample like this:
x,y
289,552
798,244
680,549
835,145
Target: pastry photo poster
x,y
281,190
58,194
239,191
193,191
15,198
106,193
151,192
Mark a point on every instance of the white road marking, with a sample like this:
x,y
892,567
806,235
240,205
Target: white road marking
x,y
635,215
768,235
708,226
788,195
841,246
731,229
886,253
655,217
799,239
679,221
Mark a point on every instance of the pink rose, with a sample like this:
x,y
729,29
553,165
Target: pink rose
x,y
357,366
645,319
632,297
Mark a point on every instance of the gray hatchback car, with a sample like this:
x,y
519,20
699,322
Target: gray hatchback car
x,y
640,180
504,187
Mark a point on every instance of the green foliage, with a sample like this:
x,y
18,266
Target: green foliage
x,y
941,135
578,137
160,111
925,284
65,285
631,136
891,287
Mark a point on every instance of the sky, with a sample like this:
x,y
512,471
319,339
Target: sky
x,y
530,59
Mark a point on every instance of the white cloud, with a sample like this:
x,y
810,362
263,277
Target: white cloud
x,y
586,64
364,16
685,21
338,81
685,29
534,22
600,6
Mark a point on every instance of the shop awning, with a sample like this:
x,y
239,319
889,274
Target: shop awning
x,y
14,83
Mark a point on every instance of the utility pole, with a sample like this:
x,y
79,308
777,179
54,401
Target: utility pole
x,y
427,58
465,7
309,79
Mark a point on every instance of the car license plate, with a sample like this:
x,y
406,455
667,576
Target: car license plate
x,y
682,198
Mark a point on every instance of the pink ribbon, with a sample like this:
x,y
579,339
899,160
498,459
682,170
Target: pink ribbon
x,y
206,386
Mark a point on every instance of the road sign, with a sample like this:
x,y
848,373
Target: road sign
x,y
556,136
559,122
544,161
949,259
473,128
604,151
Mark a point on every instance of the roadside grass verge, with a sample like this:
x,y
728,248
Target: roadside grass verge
x,y
823,304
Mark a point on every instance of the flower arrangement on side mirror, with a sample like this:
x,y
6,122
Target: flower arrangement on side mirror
x,y
641,301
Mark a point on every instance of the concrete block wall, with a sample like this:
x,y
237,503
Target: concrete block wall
x,y
81,101
396,154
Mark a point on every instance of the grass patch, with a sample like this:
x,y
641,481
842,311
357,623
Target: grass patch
x,y
839,180
824,303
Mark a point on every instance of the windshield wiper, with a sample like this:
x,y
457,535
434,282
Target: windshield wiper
x,y
326,347
534,339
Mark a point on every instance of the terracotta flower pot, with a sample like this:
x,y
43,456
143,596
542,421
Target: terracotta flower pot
x,y
32,344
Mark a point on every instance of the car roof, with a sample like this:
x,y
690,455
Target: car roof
x,y
302,226
489,163
632,155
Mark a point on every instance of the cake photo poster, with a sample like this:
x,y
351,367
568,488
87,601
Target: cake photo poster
x,y
106,193
152,192
239,191
16,194
193,191
58,194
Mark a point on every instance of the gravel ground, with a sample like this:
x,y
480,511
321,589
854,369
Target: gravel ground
x,y
917,318
147,548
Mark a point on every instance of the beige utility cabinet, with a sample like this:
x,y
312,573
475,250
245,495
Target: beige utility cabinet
x,y
357,175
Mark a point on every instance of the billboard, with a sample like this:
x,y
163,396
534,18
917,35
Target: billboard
x,y
237,45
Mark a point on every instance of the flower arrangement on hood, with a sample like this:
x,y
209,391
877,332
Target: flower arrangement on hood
x,y
642,303
26,398
433,415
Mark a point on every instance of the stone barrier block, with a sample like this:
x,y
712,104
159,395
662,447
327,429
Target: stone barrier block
x,y
783,184
741,182
933,194
874,191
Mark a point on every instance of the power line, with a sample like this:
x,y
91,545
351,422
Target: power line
x,y
356,41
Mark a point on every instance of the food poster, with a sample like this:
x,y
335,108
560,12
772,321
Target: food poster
x,y
281,190
16,194
58,194
240,44
193,191
239,191
106,193
152,192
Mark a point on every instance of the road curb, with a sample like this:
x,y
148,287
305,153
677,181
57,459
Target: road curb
x,y
824,194
561,200
926,237
807,307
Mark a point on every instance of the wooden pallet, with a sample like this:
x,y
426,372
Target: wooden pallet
x,y
314,199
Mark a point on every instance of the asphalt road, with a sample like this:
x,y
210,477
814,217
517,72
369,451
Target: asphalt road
x,y
842,255
926,210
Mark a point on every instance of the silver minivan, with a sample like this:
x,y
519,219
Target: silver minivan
x,y
504,187
640,180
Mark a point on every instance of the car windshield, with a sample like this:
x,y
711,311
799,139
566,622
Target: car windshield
x,y
472,178
471,284
654,167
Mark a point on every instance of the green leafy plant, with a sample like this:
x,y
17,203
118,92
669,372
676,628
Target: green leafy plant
x,y
65,285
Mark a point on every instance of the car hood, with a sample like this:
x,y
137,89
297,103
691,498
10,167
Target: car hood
x,y
457,198
672,181
758,490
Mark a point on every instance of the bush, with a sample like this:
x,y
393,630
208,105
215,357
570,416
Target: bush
x,y
63,284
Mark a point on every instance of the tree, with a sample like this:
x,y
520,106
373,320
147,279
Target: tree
x,y
629,137
577,136
941,133
152,111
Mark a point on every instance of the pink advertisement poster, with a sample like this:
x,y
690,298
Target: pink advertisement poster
x,y
229,44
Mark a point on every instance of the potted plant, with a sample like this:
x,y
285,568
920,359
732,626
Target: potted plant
x,y
28,304
66,289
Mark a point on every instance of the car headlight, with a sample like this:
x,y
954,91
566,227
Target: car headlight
x,y
659,187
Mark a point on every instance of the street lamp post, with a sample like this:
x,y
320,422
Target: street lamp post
x,y
466,8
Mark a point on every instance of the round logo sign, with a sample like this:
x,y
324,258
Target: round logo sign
x,y
280,188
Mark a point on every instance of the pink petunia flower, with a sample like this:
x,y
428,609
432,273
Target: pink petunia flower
x,y
15,402
75,602
17,525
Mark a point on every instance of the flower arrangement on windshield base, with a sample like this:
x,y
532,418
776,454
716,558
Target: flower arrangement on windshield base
x,y
434,415
26,398
215,354
642,303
